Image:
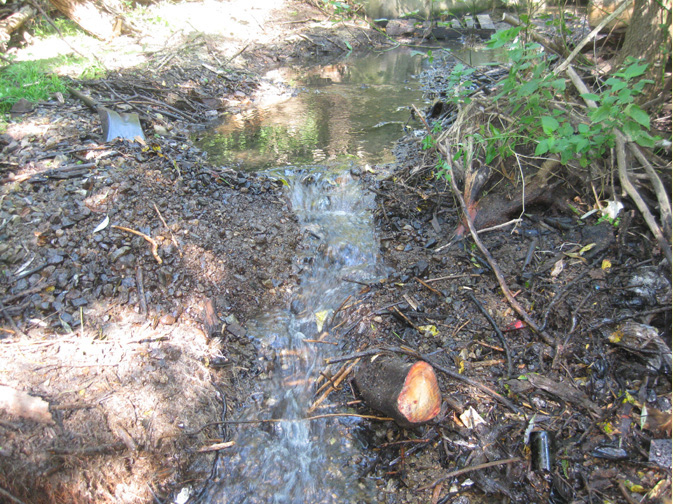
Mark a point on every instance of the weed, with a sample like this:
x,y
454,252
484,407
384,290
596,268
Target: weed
x,y
29,80
531,93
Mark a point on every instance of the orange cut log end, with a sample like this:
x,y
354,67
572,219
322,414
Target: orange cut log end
x,y
420,399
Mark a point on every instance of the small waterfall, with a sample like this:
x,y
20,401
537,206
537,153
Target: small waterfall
x,y
291,458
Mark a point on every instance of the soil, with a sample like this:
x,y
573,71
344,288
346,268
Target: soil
x,y
129,270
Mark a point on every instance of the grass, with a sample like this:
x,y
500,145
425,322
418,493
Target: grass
x,y
43,28
30,80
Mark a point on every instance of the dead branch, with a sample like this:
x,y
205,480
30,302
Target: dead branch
x,y
491,261
621,8
13,23
626,182
452,374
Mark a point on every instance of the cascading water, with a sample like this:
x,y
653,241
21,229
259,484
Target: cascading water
x,y
294,458
354,109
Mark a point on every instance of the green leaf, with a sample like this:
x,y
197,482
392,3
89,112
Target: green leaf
x,y
542,147
590,96
529,88
637,114
559,85
634,70
583,128
549,124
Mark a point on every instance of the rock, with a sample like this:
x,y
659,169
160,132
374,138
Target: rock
x,y
399,27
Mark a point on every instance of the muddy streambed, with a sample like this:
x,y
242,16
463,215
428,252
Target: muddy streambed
x,y
318,130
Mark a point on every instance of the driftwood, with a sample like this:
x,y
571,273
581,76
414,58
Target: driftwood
x,y
406,392
100,18
13,23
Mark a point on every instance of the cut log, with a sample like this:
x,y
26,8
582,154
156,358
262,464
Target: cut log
x,y
406,392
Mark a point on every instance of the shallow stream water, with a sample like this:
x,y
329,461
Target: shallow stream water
x,y
344,116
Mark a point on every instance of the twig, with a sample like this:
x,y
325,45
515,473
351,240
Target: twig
x,y
503,340
175,242
464,470
429,287
155,245
333,384
216,447
307,419
622,6
499,226
491,261
9,319
5,493
140,285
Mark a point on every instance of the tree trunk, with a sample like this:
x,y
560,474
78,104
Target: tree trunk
x,y
648,37
98,17
408,393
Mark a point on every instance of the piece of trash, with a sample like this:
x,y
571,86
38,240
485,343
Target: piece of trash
x,y
320,318
609,453
612,209
471,418
102,225
541,449
115,125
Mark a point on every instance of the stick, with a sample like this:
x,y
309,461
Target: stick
x,y
464,470
497,331
491,261
155,245
161,217
621,8
623,176
5,493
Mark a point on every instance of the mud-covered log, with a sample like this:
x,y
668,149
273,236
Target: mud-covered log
x,y
406,392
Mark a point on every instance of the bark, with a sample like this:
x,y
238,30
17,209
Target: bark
x,y
13,23
406,392
648,37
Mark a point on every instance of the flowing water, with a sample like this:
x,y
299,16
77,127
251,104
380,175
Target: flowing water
x,y
344,116
300,459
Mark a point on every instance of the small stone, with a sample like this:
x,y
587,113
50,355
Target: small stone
x,y
55,259
77,302
167,319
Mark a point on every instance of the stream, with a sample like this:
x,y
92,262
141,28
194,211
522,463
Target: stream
x,y
342,118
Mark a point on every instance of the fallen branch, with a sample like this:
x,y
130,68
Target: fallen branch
x,y
621,8
626,182
452,374
13,23
152,241
491,261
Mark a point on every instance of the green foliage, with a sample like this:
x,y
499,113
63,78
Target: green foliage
x,y
533,93
66,27
342,9
459,87
29,80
